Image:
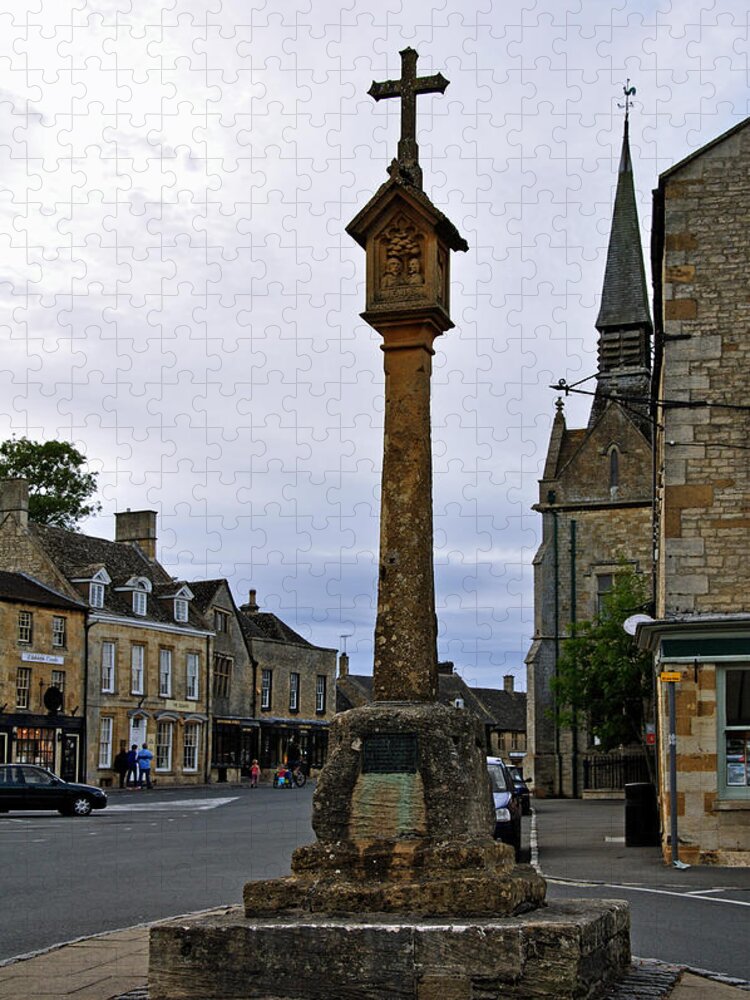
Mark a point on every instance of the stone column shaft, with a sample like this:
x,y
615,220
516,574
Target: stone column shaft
x,y
405,666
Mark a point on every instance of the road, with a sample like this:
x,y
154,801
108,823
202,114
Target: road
x,y
157,854
691,917
148,855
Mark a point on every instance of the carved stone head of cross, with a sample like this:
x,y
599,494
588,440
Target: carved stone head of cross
x,y
406,165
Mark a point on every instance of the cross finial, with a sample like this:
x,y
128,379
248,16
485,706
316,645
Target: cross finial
x,y
406,164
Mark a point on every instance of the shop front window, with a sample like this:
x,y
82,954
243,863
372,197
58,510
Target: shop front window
x,y
734,702
35,746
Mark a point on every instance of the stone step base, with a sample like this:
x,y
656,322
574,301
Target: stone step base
x,y
568,950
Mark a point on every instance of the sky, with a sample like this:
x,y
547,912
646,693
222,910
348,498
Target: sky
x,y
178,296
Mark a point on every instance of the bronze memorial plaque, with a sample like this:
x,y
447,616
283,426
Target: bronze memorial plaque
x,y
389,753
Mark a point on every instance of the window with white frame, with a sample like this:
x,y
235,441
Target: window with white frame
x,y
105,742
58,631
140,602
266,685
165,673
96,594
733,692
293,692
25,627
180,609
108,667
190,746
320,693
137,665
191,684
23,687
164,732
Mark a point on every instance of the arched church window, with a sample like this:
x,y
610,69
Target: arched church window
x,y
614,467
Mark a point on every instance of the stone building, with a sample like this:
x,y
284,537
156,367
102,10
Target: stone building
x,y
507,708
147,650
701,374
232,682
42,664
295,687
595,495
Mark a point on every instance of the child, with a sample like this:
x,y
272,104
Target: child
x,y
254,774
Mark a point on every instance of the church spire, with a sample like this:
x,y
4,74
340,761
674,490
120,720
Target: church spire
x,y
624,293
624,320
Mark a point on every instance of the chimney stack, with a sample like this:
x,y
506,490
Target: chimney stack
x,y
508,683
343,665
14,499
137,526
251,607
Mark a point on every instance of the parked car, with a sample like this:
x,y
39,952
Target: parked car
x,y
26,786
507,804
522,789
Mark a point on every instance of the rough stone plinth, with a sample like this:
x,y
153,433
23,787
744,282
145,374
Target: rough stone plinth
x,y
417,841
568,950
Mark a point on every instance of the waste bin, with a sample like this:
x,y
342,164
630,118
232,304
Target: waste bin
x,y
221,773
641,815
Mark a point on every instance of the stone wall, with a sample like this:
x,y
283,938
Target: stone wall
x,y
704,526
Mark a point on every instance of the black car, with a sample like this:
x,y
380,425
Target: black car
x,y
522,789
26,786
507,804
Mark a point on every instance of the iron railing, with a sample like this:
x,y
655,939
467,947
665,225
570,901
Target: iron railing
x,y
614,770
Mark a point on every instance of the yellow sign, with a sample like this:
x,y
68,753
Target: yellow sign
x,y
670,675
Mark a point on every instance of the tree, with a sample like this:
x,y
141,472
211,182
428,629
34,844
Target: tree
x,y
601,673
59,488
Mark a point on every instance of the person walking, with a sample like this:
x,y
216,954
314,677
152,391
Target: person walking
x,y
254,774
131,774
144,763
120,764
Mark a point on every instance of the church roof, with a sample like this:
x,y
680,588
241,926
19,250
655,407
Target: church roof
x,y
624,292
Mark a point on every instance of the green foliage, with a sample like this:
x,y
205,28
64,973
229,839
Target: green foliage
x,y
59,488
601,673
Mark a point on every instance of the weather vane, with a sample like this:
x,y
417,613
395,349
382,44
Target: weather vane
x,y
629,92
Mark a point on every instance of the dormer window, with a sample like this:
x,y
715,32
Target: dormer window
x,y
96,594
97,582
141,588
180,598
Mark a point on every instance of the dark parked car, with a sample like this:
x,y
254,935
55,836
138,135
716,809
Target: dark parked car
x,y
522,789
507,804
26,786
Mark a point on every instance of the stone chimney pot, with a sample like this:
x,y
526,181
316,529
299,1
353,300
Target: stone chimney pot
x,y
508,683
